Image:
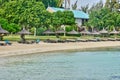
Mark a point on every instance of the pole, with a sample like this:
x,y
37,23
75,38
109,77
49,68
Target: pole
x,y
64,30
35,31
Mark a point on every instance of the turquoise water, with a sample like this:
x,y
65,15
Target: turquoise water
x,y
86,65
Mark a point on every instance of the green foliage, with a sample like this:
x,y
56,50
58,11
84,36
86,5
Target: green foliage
x,y
113,5
62,18
57,19
68,18
24,12
52,3
11,27
40,31
32,13
70,28
104,18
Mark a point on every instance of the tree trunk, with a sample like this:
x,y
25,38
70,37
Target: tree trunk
x,y
1,38
22,37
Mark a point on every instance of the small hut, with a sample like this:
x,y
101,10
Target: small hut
x,y
23,32
114,32
48,32
85,32
104,31
73,32
2,32
60,31
95,33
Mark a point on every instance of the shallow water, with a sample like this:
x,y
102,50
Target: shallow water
x,y
87,65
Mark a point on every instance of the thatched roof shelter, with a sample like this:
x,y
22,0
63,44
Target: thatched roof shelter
x,y
2,31
60,31
48,32
24,32
95,33
73,32
114,32
104,31
85,31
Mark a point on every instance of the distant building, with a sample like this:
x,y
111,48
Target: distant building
x,y
80,16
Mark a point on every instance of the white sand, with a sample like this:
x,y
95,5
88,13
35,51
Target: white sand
x,y
20,49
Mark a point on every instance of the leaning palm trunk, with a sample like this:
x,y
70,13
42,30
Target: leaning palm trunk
x,y
60,2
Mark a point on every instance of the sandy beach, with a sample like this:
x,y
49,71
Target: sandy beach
x,y
20,49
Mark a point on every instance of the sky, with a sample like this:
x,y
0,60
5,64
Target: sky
x,y
85,2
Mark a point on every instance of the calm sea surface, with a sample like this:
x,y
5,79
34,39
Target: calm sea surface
x,y
81,65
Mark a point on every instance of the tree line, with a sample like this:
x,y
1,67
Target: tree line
x,y
104,16
14,14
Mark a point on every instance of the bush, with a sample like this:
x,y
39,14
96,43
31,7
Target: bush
x,y
39,31
70,28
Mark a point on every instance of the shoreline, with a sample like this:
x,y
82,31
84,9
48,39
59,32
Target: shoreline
x,y
23,49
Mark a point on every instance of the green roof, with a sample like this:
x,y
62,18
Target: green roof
x,y
77,13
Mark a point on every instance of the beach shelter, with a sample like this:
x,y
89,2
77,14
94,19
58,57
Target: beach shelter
x,y
23,32
114,32
60,31
48,32
95,33
103,31
2,32
85,32
73,32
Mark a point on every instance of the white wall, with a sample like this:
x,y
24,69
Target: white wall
x,y
78,21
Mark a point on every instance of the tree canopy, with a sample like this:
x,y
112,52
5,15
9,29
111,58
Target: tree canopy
x,y
107,16
33,13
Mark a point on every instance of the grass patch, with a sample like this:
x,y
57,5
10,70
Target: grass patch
x,y
31,37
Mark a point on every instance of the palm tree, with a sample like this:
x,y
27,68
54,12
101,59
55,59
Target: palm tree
x,y
74,6
60,2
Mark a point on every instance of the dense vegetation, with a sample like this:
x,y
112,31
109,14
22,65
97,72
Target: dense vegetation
x,y
14,14
107,16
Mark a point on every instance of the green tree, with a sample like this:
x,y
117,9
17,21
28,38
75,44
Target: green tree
x,y
57,19
62,18
24,12
68,18
113,5
13,28
104,18
10,27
